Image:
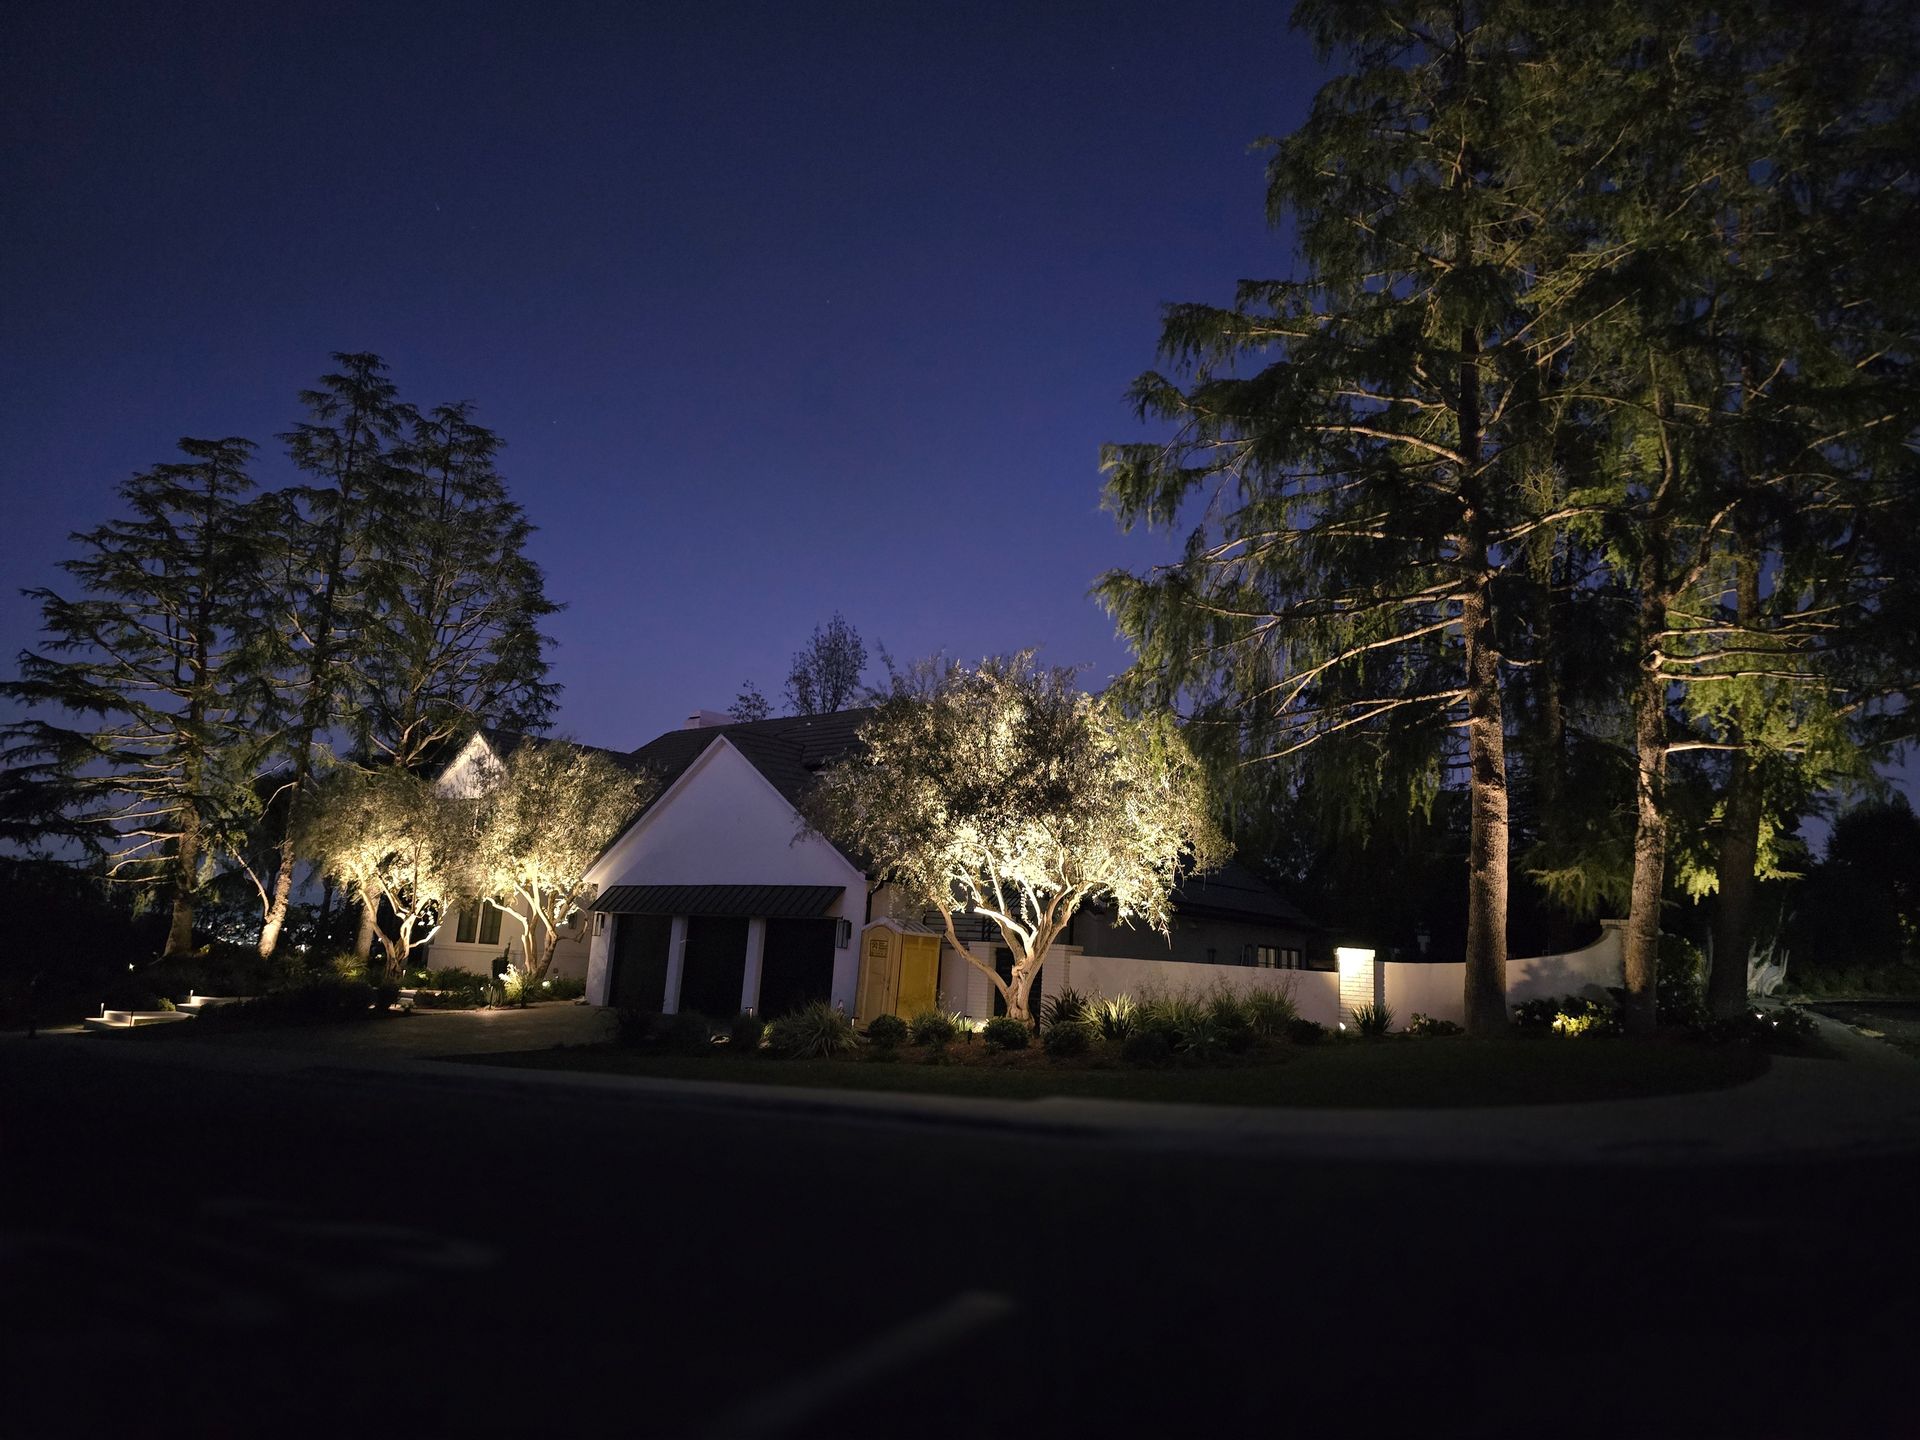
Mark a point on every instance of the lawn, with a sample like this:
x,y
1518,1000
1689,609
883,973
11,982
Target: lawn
x,y
1401,1073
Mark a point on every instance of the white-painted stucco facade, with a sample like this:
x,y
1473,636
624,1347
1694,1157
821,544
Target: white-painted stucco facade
x,y
722,822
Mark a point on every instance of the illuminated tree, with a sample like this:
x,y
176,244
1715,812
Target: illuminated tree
x,y
328,543
1744,347
397,845
152,754
1370,450
1006,792
826,675
455,639
547,812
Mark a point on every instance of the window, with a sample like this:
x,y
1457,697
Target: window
x,y
478,924
1270,957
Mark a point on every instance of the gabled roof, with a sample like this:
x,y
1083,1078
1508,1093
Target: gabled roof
x,y
504,742
789,750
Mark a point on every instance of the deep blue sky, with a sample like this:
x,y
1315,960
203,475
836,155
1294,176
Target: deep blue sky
x,y
782,309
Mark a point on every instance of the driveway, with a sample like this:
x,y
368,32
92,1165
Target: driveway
x,y
356,1243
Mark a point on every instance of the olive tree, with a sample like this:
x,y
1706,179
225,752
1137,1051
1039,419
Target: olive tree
x,y
547,812
1006,791
396,844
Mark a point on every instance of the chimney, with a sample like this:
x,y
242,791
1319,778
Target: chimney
x,y
707,719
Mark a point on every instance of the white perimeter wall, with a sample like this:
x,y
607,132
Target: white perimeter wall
x,y
1439,990
723,823
1316,993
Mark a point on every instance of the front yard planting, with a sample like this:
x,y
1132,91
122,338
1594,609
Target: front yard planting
x,y
1397,1072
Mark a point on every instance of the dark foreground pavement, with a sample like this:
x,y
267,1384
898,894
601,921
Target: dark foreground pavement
x,y
191,1250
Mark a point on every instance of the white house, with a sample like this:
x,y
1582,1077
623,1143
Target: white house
x,y
717,898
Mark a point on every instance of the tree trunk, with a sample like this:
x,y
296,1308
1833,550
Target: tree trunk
x,y
1488,829
363,941
180,930
1739,846
1733,923
1650,824
186,862
282,893
1019,989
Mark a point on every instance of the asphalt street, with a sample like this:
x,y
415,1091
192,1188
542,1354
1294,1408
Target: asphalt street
x,y
190,1249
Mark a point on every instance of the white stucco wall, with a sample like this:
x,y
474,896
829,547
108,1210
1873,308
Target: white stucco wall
x,y
723,823
1316,993
569,956
1439,990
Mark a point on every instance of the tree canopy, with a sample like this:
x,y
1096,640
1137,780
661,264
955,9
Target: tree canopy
x,y
1005,791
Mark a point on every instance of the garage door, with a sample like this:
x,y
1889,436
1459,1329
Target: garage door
x,y
639,977
797,965
716,965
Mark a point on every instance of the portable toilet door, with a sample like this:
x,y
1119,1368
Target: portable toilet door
x,y
919,985
879,973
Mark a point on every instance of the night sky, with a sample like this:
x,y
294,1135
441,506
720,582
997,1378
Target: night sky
x,y
782,309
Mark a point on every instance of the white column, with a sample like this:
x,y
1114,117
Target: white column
x,y
676,964
1360,980
599,954
756,952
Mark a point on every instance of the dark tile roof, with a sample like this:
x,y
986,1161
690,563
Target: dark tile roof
x,y
775,902
505,742
789,750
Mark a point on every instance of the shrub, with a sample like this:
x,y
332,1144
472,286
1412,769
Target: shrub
x,y
1373,1021
1433,1025
1230,1015
1568,1016
563,987
1201,1042
812,1032
1171,1016
887,1031
1270,1012
744,1033
1069,1007
1003,1032
320,999
1114,1017
1679,988
686,1033
1147,1047
1775,1028
1064,1041
633,1028
932,1027
346,966
1305,1032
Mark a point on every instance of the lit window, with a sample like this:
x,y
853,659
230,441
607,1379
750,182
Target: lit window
x,y
478,924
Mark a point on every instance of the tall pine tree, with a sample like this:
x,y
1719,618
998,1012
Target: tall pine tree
x,y
148,684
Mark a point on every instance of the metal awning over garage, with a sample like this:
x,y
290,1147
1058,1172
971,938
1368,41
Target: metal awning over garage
x,y
773,902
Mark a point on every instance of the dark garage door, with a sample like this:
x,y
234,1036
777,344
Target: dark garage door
x,y
716,965
797,966
639,980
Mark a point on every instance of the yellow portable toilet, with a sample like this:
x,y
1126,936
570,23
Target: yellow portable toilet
x,y
899,970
